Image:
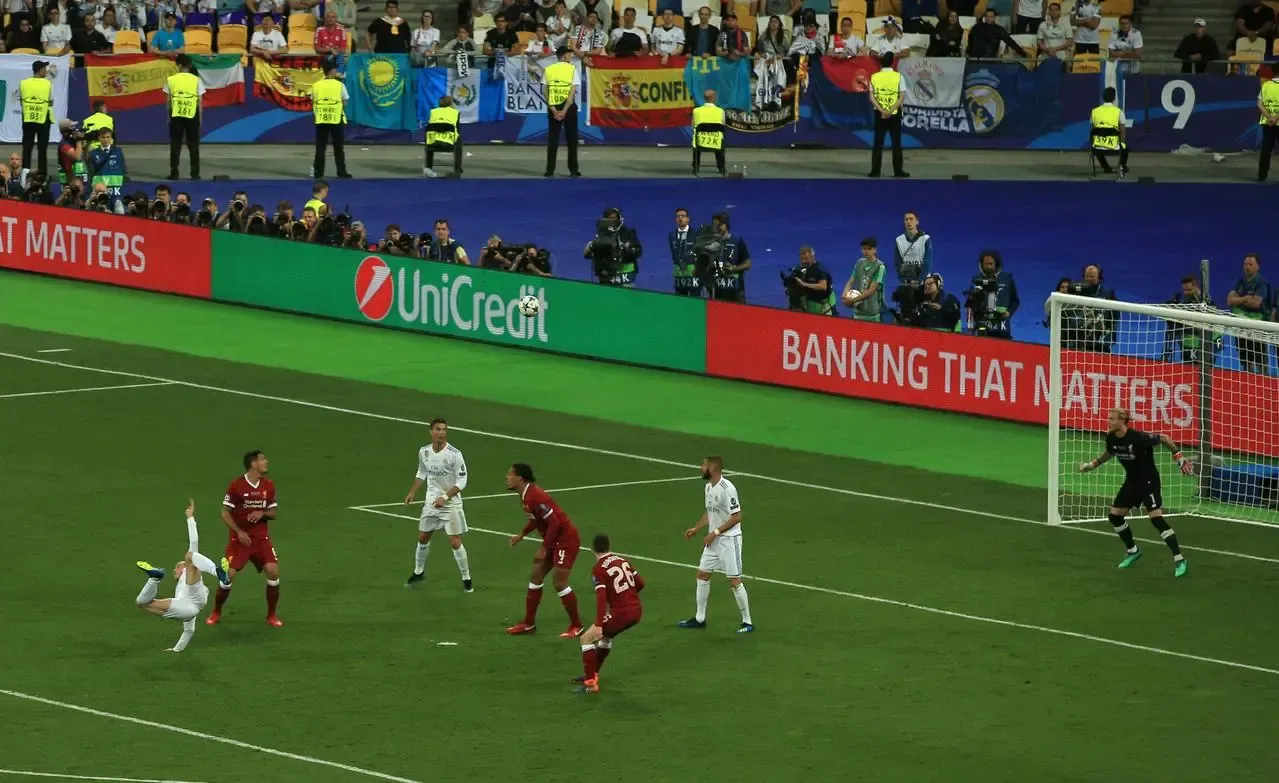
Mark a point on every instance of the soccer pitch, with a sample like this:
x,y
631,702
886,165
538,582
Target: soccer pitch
x,y
913,623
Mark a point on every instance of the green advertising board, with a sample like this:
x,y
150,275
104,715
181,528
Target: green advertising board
x,y
578,318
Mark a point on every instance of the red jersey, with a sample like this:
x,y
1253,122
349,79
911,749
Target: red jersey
x,y
546,516
617,588
243,497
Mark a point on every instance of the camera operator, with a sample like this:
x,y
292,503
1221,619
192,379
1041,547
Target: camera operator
x,y
208,214
991,299
684,256
444,247
160,205
72,194
181,210
615,250
1085,328
255,222
722,260
331,229
71,154
356,238
495,256
809,287
533,261
913,261
868,280
934,308
235,217
283,219
1193,345
37,190
101,201
397,243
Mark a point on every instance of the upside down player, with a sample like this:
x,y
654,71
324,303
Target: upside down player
x,y
190,595
1141,487
248,506
560,545
617,608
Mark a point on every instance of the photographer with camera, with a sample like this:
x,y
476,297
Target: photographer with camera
x,y
397,243
180,212
864,291
722,260
107,167
913,261
208,214
1085,328
615,250
683,256
356,237
934,308
495,256
255,222
533,261
282,220
444,247
71,152
809,287
991,299
235,218
72,195
99,200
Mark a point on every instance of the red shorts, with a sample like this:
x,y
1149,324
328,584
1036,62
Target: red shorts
x,y
564,554
616,623
259,552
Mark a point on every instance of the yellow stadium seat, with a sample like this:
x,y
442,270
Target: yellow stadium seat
x,y
25,50
1246,64
301,41
199,41
1086,63
1116,7
127,42
748,25
233,38
742,8
652,7
151,39
851,8
303,20
1244,47
888,8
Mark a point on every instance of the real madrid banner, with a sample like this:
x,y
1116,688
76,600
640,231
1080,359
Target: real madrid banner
x,y
525,90
286,81
13,69
639,92
380,91
935,82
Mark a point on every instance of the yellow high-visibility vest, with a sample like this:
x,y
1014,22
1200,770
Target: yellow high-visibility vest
x,y
184,95
448,116
98,121
326,102
1106,117
319,206
887,86
559,83
1269,98
36,93
708,114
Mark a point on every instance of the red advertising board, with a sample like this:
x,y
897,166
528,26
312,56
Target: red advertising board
x,y
985,377
102,248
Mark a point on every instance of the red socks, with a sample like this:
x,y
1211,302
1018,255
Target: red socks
x,y
272,598
569,599
590,661
531,600
600,654
220,598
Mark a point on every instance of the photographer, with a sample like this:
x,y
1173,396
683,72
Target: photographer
x,y
101,201
495,256
181,210
331,229
207,217
991,299
913,261
444,247
1192,346
397,243
683,256
282,220
1085,328
809,287
37,189
255,222
614,251
72,195
934,308
235,218
356,238
533,261
70,154
722,260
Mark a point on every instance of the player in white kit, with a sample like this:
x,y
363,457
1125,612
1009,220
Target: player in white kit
x,y
442,469
190,595
722,544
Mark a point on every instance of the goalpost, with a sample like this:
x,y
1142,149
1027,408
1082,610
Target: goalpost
x,y
1191,372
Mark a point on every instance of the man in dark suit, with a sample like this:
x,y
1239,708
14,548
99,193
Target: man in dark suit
x,y
700,41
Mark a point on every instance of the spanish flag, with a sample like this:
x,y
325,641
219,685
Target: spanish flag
x,y
131,81
286,81
639,92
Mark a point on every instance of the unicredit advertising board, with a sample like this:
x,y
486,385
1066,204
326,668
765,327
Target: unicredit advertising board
x,y
984,376
101,248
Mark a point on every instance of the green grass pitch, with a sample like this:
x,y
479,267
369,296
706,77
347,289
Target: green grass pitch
x,y
911,626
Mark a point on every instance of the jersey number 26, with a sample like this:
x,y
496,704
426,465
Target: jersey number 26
x,y
623,577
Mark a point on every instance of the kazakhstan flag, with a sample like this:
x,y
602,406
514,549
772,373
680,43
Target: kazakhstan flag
x,y
381,90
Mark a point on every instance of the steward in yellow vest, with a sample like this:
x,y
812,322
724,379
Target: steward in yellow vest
x,y
319,192
36,94
1268,103
442,135
886,99
185,92
1109,133
328,103
708,133
561,111
96,122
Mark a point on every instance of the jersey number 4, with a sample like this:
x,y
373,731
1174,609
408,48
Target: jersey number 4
x,y
623,577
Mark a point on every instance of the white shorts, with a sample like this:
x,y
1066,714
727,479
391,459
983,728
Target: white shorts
x,y
723,555
187,602
451,521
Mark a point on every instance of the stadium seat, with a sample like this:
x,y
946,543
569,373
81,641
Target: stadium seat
x,y
967,22
742,9
1103,38
652,7
478,36
1115,8
888,8
127,42
199,41
821,7
301,41
25,50
690,7
918,43
643,21
1245,47
1086,63
750,26
302,20
233,38
1029,42
1109,23
151,39
1245,64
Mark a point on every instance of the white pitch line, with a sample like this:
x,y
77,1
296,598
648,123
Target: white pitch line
x,y
56,350
569,446
212,737
557,491
1160,541
60,776
86,389
920,608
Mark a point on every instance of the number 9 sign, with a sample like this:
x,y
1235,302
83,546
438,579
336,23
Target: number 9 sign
x,y
1178,99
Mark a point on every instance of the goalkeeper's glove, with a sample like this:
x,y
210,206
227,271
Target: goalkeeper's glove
x,y
1084,467
1183,463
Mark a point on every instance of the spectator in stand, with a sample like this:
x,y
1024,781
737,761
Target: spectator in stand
x,y
963,7
667,38
892,42
915,9
1125,46
541,45
606,16
388,34
986,38
627,40
348,12
87,40
1255,20
501,37
1055,38
947,39
559,25
588,39
426,38
331,37
169,41
1027,16
460,46
846,43
809,42
1086,20
24,36
700,41
55,36
732,42
526,16
305,6
267,42
545,10
1251,298
108,27
1197,49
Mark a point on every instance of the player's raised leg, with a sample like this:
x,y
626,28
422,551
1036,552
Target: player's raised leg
x,y
146,599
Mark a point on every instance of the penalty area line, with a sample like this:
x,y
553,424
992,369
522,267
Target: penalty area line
x,y
86,389
875,599
511,493
210,737
30,773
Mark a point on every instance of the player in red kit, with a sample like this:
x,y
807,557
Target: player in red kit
x,y
617,608
560,545
247,508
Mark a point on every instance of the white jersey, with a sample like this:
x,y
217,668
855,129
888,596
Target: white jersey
x,y
197,593
721,504
441,470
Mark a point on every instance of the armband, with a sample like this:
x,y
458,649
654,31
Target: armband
x,y
715,532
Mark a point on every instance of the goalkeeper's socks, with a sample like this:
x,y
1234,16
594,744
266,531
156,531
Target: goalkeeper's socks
x,y
1168,535
1125,533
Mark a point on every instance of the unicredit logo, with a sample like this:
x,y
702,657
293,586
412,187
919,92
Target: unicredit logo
x,y
374,290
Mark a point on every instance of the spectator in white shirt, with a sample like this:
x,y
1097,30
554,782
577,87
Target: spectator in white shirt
x,y
426,38
559,24
627,29
589,38
1055,37
846,43
108,27
1027,16
267,42
1086,19
540,45
667,38
1125,45
55,36
892,42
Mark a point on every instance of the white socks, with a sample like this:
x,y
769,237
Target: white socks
x,y
703,594
203,563
463,565
148,592
744,605
419,558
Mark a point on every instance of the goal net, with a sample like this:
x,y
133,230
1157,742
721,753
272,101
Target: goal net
x,y
1203,377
